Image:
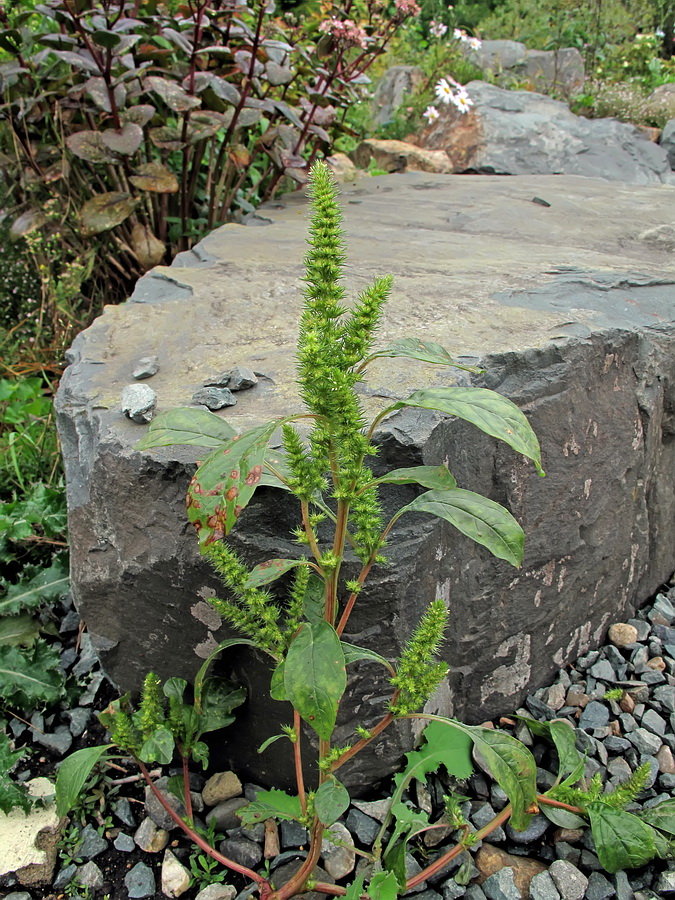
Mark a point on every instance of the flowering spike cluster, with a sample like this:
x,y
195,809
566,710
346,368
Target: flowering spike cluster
x,y
252,611
331,346
418,672
150,715
296,600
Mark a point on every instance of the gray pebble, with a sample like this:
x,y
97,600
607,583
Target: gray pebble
x,y
139,402
59,741
543,888
242,851
571,883
451,890
622,886
533,832
242,378
214,398
595,715
124,843
18,895
645,742
122,809
156,811
482,816
665,695
603,670
90,876
146,367
363,828
653,722
140,882
292,834
91,843
501,886
79,719
225,813
65,876
474,892
220,381
599,888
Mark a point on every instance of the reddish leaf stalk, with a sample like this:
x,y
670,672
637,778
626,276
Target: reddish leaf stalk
x,y
297,756
199,840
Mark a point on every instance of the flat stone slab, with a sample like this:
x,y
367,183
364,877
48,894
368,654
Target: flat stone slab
x,y
562,287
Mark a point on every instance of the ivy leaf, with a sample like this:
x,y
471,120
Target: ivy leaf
x,y
330,801
426,351
622,840
72,775
196,427
271,570
484,521
272,804
315,677
225,482
491,412
433,477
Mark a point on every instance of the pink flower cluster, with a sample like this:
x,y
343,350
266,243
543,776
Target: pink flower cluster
x,y
460,35
346,31
437,29
407,7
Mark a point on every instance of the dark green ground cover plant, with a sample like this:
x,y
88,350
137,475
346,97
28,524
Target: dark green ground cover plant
x,y
325,469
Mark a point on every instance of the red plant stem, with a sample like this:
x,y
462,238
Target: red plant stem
x,y
297,755
344,618
186,789
291,888
549,801
199,840
359,745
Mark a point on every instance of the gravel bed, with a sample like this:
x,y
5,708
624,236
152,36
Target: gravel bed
x,y
127,847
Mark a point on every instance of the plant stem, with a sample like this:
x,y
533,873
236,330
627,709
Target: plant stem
x,y
200,841
549,801
297,755
359,745
186,790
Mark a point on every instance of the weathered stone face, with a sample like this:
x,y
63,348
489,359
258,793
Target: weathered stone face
x,y
573,317
522,133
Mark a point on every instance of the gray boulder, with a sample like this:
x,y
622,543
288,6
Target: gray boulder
x,y
510,62
667,141
397,83
545,282
521,133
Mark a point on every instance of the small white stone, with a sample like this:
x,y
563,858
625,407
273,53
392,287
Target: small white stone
x,y
139,402
175,877
150,837
217,892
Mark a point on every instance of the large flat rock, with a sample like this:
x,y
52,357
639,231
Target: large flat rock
x,y
562,287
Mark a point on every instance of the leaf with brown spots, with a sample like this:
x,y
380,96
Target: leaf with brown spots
x,y
226,481
271,570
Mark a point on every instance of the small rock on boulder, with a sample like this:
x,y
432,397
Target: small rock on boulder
x,y
399,156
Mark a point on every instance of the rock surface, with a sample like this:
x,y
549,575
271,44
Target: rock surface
x,y
668,141
572,317
520,133
510,62
400,156
29,840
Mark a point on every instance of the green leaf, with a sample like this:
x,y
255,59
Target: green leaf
x,y
155,177
176,785
477,517
175,687
426,351
272,804
72,775
433,477
355,889
47,586
88,145
564,738
394,862
196,427
159,747
270,570
13,795
219,698
383,886
22,629
30,676
277,685
225,482
315,678
661,816
491,412
563,818
203,669
105,212
272,740
355,654
171,93
330,801
622,841
511,763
